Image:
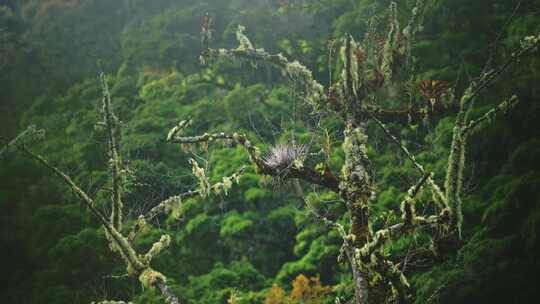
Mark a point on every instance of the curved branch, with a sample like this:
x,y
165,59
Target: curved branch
x,y
166,292
489,115
125,249
22,138
329,181
314,93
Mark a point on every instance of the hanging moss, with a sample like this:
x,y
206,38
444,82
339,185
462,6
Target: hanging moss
x,y
313,91
390,44
199,173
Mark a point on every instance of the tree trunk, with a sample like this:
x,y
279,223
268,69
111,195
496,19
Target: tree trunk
x,y
360,285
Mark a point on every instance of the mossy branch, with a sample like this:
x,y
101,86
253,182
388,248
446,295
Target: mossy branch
x,y
489,116
311,175
125,249
456,159
409,220
414,26
135,266
115,162
390,44
313,91
156,248
25,137
206,137
172,205
529,44
440,198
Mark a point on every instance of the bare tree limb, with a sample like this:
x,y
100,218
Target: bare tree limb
x,y
440,198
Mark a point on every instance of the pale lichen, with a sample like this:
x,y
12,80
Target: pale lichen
x,y
173,205
26,137
414,26
351,54
176,130
200,174
530,42
356,179
243,40
390,44
313,91
149,277
156,249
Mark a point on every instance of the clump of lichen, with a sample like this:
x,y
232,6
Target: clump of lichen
x,y
531,42
149,277
226,184
176,130
200,174
356,176
390,43
156,248
245,44
312,91
352,56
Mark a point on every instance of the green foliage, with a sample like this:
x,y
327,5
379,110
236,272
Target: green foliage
x,y
222,280
242,243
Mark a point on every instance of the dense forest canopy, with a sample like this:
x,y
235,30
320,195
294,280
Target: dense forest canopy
x,y
253,236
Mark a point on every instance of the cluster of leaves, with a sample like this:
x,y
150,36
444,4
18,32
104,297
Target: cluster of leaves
x,y
304,290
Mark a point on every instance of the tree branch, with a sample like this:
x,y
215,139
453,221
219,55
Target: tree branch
x,y
121,244
115,162
174,202
405,116
23,138
125,249
308,174
313,94
503,107
528,45
439,197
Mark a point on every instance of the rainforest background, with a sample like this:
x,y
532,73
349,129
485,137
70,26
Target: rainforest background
x,y
256,243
